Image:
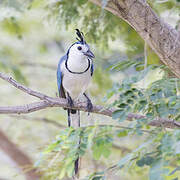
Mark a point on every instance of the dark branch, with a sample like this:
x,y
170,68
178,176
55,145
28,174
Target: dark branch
x,y
22,161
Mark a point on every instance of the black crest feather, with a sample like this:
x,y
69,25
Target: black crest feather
x,y
80,36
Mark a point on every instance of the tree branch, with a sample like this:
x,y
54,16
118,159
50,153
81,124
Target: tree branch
x,y
161,37
48,101
45,120
58,125
23,88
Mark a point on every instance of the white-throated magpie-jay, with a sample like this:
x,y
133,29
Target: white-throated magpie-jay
x,y
74,73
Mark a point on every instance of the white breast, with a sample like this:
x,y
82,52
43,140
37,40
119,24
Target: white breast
x,y
76,84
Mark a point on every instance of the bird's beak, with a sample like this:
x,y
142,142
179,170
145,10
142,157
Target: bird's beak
x,y
89,54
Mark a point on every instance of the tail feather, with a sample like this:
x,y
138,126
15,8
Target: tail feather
x,y
69,118
76,166
73,111
74,121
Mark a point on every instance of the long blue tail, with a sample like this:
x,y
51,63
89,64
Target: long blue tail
x,y
71,122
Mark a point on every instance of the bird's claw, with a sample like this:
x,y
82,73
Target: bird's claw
x,y
89,106
70,101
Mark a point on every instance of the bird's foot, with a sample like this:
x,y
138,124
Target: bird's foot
x,y
89,104
71,104
70,101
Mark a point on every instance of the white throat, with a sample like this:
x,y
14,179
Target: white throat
x,y
77,63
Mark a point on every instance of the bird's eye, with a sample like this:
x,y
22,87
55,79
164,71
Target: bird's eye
x,y
79,48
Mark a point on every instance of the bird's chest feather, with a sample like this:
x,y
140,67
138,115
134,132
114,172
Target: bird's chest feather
x,y
74,83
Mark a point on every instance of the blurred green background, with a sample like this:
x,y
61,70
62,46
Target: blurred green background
x,y
33,36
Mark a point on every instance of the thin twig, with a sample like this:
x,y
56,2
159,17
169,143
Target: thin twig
x,y
117,127
45,120
145,55
20,159
23,88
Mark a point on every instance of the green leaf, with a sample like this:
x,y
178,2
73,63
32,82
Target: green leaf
x,y
116,114
122,105
149,160
98,178
123,65
146,160
156,171
140,163
70,169
124,160
122,133
128,93
106,152
51,147
174,171
175,178
96,152
62,173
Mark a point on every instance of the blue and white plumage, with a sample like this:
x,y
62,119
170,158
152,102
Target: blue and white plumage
x,y
75,70
74,74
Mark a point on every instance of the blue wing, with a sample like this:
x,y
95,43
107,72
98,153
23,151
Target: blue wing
x,y
59,77
92,69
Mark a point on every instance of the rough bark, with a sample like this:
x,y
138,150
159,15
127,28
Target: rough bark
x,y
161,37
20,158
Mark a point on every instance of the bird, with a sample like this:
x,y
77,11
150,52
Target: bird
x,y
74,73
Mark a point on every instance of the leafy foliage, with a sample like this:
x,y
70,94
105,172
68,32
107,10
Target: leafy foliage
x,y
160,99
73,143
67,143
160,149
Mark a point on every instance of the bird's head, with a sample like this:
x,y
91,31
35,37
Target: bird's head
x,y
81,48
